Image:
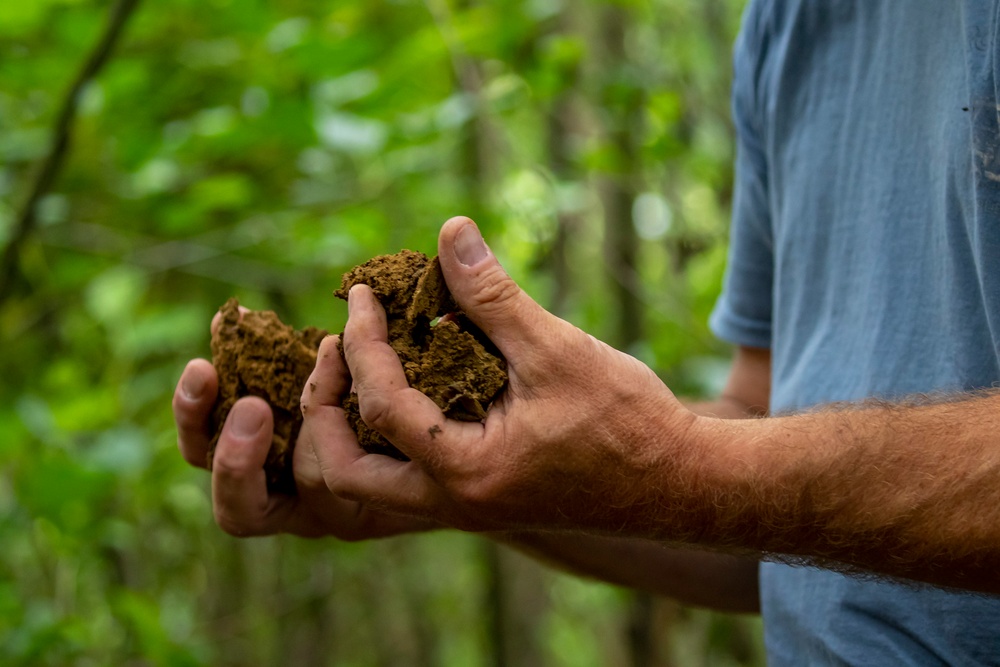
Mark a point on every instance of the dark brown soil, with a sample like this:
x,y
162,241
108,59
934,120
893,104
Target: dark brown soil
x,y
258,355
443,354
450,360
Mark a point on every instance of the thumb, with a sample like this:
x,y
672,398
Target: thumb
x,y
488,296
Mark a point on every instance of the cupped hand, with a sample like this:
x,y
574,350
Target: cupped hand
x,y
240,498
581,437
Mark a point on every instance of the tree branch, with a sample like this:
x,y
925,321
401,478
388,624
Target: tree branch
x,y
59,145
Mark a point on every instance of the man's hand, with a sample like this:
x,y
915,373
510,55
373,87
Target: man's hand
x,y
240,497
588,439
580,438
243,506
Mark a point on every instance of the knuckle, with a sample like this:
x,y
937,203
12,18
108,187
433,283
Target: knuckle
x,y
230,468
376,410
498,291
306,395
308,477
333,483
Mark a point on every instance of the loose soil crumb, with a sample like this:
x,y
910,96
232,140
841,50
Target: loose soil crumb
x,y
444,355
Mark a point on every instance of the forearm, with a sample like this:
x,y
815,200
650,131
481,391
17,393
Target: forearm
x,y
699,578
909,491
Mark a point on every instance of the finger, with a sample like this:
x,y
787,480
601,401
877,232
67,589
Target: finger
x,y
492,300
323,419
406,417
372,480
239,484
330,380
319,511
193,400
325,429
386,484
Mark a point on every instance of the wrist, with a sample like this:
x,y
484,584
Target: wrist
x,y
716,478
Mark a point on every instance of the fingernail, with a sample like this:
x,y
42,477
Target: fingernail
x,y
351,299
470,249
193,386
244,420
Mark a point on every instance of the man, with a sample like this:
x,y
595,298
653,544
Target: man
x,y
865,264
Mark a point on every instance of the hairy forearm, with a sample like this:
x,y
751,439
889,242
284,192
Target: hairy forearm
x,y
704,579
904,490
719,581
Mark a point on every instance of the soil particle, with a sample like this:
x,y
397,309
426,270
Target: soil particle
x,y
444,355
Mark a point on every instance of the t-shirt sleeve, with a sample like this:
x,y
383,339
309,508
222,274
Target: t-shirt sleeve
x,y
742,315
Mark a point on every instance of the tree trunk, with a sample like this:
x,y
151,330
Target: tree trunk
x,y
623,100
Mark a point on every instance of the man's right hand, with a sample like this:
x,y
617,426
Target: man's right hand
x,y
240,499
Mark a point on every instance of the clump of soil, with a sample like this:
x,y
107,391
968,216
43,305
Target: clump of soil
x,y
449,359
255,354
444,355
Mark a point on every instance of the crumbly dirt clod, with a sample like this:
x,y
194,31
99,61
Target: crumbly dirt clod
x,y
443,355
449,360
255,354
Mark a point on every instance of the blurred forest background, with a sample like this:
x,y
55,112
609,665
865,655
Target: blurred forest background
x,y
159,157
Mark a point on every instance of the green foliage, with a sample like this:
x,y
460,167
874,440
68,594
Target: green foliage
x,y
261,148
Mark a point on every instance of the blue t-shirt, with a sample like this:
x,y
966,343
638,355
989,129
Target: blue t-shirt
x,y
865,253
